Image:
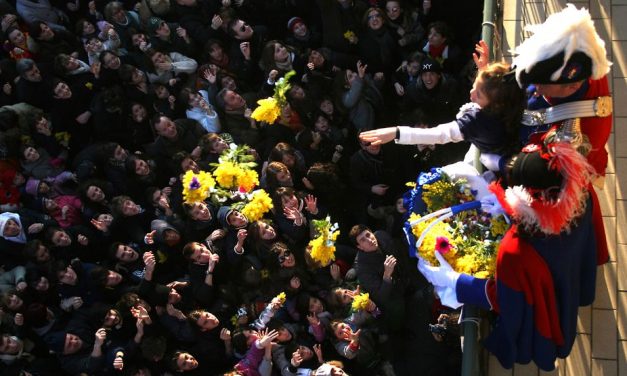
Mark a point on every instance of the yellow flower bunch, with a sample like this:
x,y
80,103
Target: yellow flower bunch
x,y
348,34
323,246
430,241
197,187
227,174
259,204
247,179
361,302
267,111
281,298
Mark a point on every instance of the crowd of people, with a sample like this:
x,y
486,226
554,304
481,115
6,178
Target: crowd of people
x,y
107,104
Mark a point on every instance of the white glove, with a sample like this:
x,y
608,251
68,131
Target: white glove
x,y
490,204
442,275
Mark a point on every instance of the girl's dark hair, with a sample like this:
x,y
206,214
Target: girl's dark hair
x,y
506,101
278,195
239,341
443,29
279,150
271,174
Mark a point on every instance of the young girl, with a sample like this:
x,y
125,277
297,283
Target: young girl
x,y
490,122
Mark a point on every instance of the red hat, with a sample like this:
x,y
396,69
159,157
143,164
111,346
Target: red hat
x,y
291,24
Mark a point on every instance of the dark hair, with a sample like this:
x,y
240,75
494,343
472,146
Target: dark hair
x,y
239,340
99,275
355,231
506,100
206,142
384,18
183,97
443,29
273,169
126,73
34,29
153,347
279,150
277,197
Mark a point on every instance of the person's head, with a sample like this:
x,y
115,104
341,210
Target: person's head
x,y
30,153
41,31
11,302
157,58
58,237
230,100
285,197
114,12
240,30
296,93
297,26
182,361
374,19
363,238
123,253
138,39
274,52
285,257
227,81
104,277
164,127
61,90
130,75
430,73
9,20
64,64
65,274
197,253
262,230
28,70
326,106
212,143
278,175
138,112
317,58
10,345
138,166
112,318
439,34
339,328
187,3
93,191
124,206
331,368
16,36
204,320
185,162
340,297
159,27
93,45
322,123
393,9
284,153
11,228
153,348
214,49
84,27
37,252
72,344
414,63
110,60
198,211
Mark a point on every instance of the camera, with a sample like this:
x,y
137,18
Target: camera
x,y
439,329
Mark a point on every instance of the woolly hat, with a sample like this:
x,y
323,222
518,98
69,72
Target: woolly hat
x,y
24,65
430,65
56,341
32,186
565,48
291,24
547,187
153,24
223,214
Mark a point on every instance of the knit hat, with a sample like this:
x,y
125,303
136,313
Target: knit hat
x,y
430,65
153,24
24,65
565,48
223,214
291,24
56,341
32,186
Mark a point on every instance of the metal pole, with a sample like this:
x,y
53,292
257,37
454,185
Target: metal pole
x,y
470,314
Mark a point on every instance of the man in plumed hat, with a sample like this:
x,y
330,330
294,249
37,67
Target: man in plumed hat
x,y
546,262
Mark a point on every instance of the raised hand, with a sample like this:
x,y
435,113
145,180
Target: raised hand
x,y
482,55
378,136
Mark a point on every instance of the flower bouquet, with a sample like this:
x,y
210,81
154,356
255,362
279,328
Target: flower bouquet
x,y
323,245
467,236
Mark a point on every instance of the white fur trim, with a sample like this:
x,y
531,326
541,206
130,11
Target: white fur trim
x,y
570,30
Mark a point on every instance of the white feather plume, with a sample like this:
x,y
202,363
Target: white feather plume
x,y
570,30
